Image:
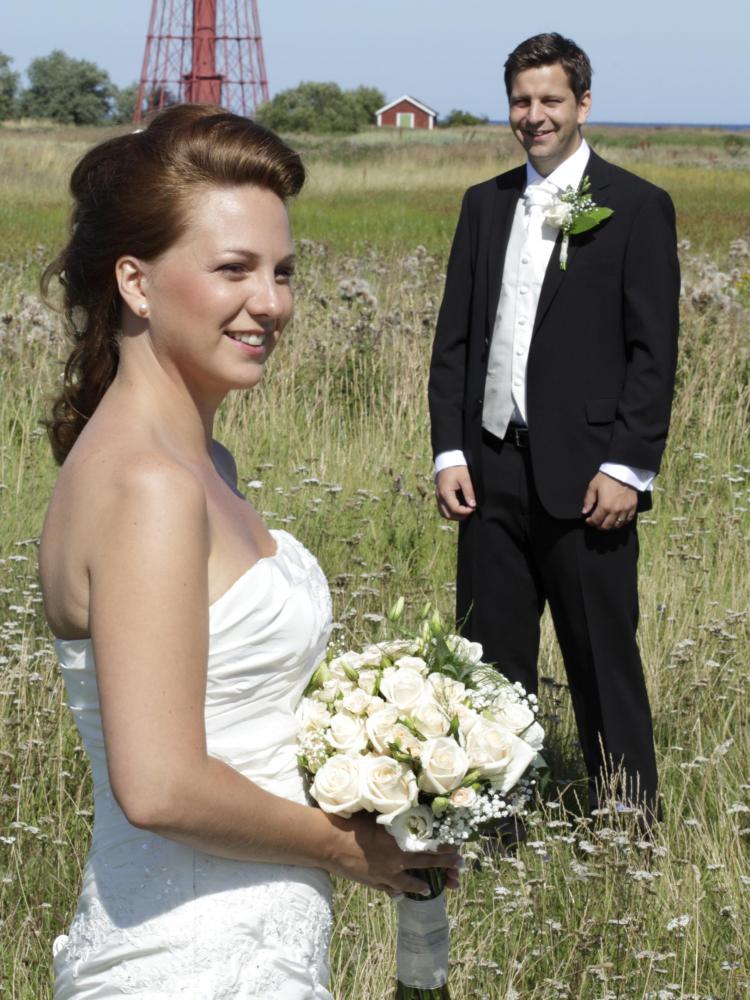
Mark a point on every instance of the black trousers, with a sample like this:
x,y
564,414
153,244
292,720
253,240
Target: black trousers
x,y
514,558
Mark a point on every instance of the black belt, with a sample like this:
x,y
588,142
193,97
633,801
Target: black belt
x,y
517,435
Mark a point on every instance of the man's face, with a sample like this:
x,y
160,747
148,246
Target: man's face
x,y
544,115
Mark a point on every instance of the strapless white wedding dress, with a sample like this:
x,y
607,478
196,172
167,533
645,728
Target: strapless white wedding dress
x,y
157,919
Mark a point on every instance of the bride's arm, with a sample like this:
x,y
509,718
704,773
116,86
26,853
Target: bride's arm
x,y
149,626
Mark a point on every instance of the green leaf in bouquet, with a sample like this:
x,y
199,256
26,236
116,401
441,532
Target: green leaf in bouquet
x,y
590,219
470,778
453,728
412,727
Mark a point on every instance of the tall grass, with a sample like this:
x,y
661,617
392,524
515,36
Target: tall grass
x,y
334,447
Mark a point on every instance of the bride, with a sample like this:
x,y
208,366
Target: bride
x,y
186,631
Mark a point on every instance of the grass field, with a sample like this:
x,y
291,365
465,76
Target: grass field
x,y
334,446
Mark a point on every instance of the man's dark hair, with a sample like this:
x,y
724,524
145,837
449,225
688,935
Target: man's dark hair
x,y
546,50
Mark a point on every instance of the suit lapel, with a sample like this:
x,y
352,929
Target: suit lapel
x,y
596,171
509,189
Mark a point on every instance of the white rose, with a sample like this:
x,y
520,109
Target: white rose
x,y
402,687
444,765
357,702
412,829
347,734
520,720
470,651
387,786
429,718
450,693
339,665
312,715
376,704
413,663
467,717
498,754
461,798
380,727
367,678
447,689
410,743
336,787
371,656
559,215
332,689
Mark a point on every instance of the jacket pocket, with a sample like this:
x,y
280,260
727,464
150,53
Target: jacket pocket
x,y
601,411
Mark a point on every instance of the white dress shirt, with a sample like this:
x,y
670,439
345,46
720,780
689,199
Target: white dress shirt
x,y
530,247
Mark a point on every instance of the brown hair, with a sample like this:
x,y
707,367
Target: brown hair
x,y
545,50
131,195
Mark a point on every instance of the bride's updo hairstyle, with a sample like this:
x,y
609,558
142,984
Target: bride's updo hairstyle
x,y
132,195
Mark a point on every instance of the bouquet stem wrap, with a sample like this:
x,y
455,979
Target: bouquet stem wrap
x,y
423,937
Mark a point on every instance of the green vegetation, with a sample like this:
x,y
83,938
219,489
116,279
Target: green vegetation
x,y
321,107
461,118
8,88
334,447
66,90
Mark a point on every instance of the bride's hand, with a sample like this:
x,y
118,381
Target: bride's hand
x,y
365,852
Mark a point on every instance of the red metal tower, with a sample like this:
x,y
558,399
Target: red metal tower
x,y
203,51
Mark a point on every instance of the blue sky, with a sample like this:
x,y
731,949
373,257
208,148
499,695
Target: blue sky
x,y
654,60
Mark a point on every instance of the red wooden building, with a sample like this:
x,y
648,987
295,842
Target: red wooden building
x,y
406,112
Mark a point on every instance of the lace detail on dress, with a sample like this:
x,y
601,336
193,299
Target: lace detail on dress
x,y
209,951
310,568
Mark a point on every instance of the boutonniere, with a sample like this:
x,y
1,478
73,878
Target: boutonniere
x,y
575,211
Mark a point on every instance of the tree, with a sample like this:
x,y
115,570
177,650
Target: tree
x,y
8,88
124,99
369,99
456,117
67,90
320,107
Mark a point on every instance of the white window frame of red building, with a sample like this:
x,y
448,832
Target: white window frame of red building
x,y
405,114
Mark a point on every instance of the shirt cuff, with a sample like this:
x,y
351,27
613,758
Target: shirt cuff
x,y
639,479
448,458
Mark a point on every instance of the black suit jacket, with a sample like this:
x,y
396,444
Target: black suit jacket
x,y
603,353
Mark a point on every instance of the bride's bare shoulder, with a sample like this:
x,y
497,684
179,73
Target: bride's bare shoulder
x,y
102,487
102,476
108,496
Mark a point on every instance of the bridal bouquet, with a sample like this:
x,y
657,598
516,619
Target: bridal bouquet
x,y
437,743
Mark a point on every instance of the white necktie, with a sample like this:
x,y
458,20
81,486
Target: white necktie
x,y
537,198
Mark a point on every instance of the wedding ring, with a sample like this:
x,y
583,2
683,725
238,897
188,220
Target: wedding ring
x,y
619,521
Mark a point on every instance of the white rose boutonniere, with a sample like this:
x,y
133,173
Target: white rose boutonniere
x,y
575,212
559,214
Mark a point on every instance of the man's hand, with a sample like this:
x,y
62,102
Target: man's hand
x,y
454,493
608,503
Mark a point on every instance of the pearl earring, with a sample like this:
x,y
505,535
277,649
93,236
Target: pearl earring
x,y
142,308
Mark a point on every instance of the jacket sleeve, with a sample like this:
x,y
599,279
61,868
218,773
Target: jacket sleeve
x,y
651,286
450,348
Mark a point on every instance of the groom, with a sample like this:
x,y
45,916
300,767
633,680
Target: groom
x,y
550,393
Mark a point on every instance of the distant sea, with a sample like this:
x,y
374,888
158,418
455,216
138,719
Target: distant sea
x,y
719,128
